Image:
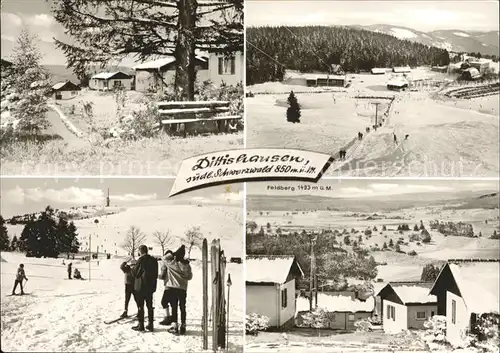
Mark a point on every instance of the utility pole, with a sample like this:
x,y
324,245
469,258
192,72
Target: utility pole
x,y
312,272
376,112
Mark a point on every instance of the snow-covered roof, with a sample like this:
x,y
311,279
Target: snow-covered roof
x,y
270,268
473,72
397,81
479,284
59,85
414,293
311,76
338,303
106,75
378,70
159,63
401,69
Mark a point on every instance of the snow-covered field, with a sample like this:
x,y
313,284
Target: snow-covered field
x,y
452,138
62,315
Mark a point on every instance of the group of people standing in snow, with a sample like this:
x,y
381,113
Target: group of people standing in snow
x,y
141,278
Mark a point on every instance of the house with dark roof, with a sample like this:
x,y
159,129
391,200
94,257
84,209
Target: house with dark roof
x,y
156,75
406,305
109,81
271,288
64,90
465,291
343,309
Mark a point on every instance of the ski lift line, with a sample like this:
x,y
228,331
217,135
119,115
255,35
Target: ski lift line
x,y
288,29
263,52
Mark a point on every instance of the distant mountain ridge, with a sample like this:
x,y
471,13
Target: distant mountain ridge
x,y
484,42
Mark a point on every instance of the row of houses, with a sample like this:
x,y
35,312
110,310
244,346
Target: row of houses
x,y
463,291
157,75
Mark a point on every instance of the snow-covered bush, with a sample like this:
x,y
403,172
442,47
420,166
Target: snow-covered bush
x,y
317,318
255,323
435,329
363,325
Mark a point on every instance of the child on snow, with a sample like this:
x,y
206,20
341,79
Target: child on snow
x,y
166,299
129,284
20,276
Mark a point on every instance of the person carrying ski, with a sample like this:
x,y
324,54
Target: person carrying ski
x,y
69,270
129,284
20,276
145,273
167,298
178,274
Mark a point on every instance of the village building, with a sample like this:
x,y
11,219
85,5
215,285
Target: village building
x,y
227,68
397,83
271,288
109,81
401,69
65,90
406,305
156,75
465,291
314,79
343,309
378,71
471,74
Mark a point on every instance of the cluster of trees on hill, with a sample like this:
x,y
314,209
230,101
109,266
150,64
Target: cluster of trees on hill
x,y
47,235
316,48
459,229
332,263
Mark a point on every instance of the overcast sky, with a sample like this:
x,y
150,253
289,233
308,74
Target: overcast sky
x,y
349,188
418,15
21,196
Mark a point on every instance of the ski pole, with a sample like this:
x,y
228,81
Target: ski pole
x,y
229,283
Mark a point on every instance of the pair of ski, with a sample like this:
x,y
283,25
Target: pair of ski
x,y
18,295
127,319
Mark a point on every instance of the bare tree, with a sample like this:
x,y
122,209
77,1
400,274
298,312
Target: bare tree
x,y
163,239
133,239
194,237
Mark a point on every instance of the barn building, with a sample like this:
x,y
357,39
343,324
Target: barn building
x,y
65,90
227,68
401,69
471,74
108,81
406,305
467,290
343,309
314,79
271,288
397,84
156,75
378,71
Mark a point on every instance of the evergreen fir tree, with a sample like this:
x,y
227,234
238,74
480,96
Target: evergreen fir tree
x,y
391,243
4,237
293,111
31,83
14,244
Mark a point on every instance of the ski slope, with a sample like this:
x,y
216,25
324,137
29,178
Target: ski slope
x,y
68,315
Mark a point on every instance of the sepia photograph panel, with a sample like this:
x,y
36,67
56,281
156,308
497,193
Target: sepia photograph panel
x,y
118,87
114,265
388,88
373,266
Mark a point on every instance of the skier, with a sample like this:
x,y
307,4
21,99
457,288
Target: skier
x,y
178,274
395,138
129,284
406,136
20,276
77,274
69,270
167,298
145,273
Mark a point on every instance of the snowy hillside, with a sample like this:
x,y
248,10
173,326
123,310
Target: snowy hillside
x,y
60,315
452,40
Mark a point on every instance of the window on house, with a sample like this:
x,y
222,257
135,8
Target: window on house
x,y
117,84
284,298
421,315
226,65
453,311
391,312
73,93
351,317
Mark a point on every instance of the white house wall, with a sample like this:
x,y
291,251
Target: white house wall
x,y
126,83
415,323
289,312
262,300
213,66
455,332
401,318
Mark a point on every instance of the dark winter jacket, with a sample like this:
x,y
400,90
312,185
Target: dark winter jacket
x,y
69,268
129,278
20,274
145,273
